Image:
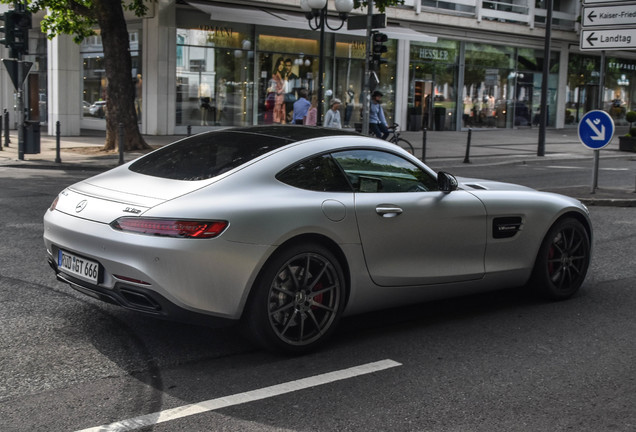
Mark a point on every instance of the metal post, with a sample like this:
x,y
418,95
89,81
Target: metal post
x,y
597,153
1,122
121,143
189,130
7,138
366,93
321,64
467,156
424,145
20,119
58,159
543,122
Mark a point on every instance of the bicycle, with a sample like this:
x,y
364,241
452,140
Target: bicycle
x,y
397,140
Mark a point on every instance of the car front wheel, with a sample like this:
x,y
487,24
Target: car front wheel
x,y
297,300
563,260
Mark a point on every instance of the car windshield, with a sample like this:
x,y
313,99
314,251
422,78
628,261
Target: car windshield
x,y
210,154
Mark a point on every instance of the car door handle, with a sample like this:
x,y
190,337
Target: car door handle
x,y
388,211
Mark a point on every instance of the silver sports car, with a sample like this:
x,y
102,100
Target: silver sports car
x,y
287,228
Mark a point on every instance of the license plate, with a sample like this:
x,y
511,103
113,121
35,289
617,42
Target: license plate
x,y
78,266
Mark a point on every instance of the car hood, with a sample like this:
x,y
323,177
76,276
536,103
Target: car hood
x,y
480,184
121,192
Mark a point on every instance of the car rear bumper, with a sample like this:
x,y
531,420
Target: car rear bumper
x,y
139,299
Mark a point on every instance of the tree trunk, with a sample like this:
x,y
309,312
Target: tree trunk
x,y
120,89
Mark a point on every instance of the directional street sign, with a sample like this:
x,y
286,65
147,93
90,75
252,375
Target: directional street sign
x,y
608,39
617,15
596,129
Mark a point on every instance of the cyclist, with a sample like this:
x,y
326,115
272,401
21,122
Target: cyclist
x,y
377,121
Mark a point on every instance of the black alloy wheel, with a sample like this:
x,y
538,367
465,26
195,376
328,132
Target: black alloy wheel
x,y
298,299
563,260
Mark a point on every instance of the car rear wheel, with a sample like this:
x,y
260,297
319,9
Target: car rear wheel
x,y
297,300
562,261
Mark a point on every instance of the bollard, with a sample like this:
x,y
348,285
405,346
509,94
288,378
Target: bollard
x,y
121,143
424,145
467,157
189,130
1,135
7,139
58,159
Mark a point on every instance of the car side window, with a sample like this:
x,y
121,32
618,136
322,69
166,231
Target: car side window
x,y
320,174
378,171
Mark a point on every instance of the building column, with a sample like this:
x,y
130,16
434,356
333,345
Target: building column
x,y
159,69
402,83
562,84
63,83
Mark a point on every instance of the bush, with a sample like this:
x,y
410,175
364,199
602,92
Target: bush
x,y
630,117
632,132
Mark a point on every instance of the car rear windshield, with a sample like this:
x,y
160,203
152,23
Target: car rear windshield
x,y
207,155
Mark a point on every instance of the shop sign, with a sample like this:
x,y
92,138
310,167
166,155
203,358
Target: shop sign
x,y
433,54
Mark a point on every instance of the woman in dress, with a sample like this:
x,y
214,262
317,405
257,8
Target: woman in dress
x,y
278,87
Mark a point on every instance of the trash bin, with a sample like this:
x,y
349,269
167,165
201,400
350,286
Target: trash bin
x,y
439,114
31,137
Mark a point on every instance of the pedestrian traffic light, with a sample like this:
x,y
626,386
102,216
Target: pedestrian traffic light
x,y
8,29
377,49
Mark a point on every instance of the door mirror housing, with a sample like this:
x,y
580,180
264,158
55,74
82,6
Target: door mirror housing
x,y
446,182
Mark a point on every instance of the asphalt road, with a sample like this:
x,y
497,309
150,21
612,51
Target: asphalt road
x,y
502,361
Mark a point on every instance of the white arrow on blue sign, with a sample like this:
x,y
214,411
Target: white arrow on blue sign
x,y
596,129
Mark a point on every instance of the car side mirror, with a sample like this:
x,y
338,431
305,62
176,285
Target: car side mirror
x,y
446,182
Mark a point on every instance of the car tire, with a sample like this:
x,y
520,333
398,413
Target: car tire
x,y
297,299
562,261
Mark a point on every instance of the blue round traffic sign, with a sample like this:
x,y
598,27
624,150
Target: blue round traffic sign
x,y
596,129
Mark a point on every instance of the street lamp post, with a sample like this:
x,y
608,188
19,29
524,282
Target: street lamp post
x,y
316,14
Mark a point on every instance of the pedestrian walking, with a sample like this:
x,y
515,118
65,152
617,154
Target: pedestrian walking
x,y
332,118
377,121
301,106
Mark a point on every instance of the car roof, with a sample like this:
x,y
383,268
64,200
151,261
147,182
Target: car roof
x,y
288,133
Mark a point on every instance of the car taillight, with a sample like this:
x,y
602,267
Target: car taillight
x,y
54,203
170,227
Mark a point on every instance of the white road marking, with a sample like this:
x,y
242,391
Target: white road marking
x,y
241,398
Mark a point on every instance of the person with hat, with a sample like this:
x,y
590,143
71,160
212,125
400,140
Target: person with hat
x,y
332,118
377,121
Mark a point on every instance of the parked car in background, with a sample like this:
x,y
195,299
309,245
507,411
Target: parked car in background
x,y
98,109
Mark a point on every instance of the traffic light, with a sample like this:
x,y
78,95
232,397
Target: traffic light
x,y
377,49
22,23
8,29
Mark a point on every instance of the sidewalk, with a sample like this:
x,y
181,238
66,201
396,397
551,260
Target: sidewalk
x,y
488,147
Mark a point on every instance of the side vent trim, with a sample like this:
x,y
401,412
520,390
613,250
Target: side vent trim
x,y
506,227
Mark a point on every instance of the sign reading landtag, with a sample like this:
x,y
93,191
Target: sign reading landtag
x,y
608,39
596,129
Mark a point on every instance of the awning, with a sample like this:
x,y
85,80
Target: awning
x,y
267,17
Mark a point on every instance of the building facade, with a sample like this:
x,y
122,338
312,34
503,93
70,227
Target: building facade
x,y
451,64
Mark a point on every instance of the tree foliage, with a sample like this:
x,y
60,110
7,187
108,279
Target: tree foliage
x,y
79,18
380,5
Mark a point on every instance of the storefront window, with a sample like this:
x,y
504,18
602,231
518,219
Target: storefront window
x,y
214,75
620,89
349,78
528,80
350,57
286,65
488,94
94,75
433,89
